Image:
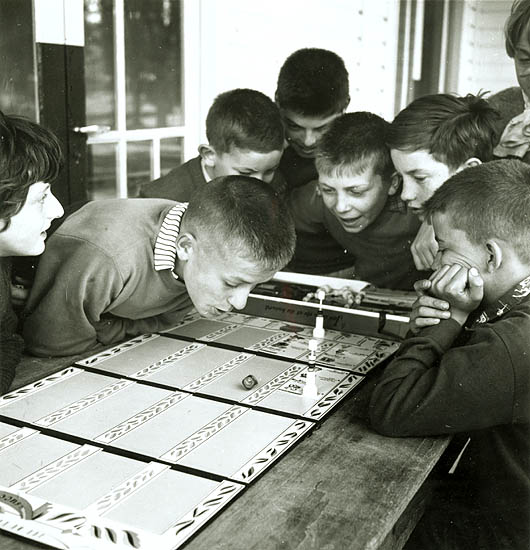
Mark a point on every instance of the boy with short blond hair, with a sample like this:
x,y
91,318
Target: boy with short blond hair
x,y
433,138
119,268
245,137
356,199
312,90
469,370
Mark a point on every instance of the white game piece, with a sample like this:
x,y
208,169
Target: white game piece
x,y
310,387
318,331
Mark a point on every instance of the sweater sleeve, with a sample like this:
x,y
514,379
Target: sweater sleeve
x,y
75,286
11,343
307,208
431,388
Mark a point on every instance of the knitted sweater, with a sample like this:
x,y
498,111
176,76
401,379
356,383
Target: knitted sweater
x,y
96,280
11,343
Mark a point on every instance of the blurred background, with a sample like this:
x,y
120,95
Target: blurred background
x,y
126,84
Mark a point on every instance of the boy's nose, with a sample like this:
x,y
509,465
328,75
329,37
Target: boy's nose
x,y
310,138
55,209
342,205
407,191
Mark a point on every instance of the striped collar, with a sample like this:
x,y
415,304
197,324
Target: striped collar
x,y
165,251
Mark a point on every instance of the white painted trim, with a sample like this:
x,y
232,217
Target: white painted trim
x,y
59,22
141,134
417,46
191,57
444,47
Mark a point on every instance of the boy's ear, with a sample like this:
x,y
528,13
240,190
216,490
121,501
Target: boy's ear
x,y
395,183
472,161
495,256
186,244
208,154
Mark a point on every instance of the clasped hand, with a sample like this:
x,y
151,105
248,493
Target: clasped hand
x,y
452,291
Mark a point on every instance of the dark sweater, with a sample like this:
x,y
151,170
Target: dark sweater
x,y
11,343
380,252
475,380
316,252
177,185
180,184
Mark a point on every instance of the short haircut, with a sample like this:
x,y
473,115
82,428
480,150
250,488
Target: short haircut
x,y
29,153
451,128
313,82
244,119
515,25
353,143
491,200
246,215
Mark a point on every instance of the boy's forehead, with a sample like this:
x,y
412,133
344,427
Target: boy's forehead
x,y
239,155
308,121
410,160
358,178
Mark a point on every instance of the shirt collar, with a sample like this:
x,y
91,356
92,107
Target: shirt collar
x,y
165,251
517,294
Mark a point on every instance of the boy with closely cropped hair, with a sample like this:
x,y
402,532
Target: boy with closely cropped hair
x,y
30,159
470,372
433,138
245,137
123,267
356,199
312,90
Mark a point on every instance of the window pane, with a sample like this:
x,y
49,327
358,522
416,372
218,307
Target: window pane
x,y
17,70
138,165
101,181
171,154
99,62
153,63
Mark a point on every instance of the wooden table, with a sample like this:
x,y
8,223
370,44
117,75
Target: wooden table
x,y
343,487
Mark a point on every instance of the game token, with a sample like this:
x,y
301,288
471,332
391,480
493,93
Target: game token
x,y
249,382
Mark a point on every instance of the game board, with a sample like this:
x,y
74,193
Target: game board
x,y
138,446
351,352
216,372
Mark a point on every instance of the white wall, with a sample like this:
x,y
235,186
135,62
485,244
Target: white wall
x,y
483,63
243,43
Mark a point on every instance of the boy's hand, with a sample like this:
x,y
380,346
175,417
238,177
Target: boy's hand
x,y
463,288
426,310
424,248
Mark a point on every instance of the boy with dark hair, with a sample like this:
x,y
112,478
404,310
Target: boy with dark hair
x,y
356,199
30,158
123,267
245,137
312,90
470,372
431,139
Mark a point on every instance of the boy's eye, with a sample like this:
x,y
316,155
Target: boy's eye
x,y
420,179
326,190
355,193
230,285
